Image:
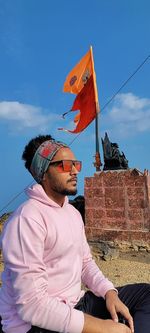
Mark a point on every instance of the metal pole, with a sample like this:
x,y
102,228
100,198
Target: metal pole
x,y
97,163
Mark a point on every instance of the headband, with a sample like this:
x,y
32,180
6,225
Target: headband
x,y
42,157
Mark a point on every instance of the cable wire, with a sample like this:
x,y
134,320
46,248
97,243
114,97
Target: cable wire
x,y
15,197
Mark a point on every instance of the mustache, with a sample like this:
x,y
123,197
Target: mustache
x,y
72,179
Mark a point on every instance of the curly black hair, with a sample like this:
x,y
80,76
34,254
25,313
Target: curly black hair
x,y
31,148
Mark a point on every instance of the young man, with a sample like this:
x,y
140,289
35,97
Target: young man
x,y
46,257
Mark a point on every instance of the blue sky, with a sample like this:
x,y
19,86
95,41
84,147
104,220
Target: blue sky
x,y
40,42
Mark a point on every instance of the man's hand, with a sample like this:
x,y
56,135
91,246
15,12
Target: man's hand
x,y
96,325
114,306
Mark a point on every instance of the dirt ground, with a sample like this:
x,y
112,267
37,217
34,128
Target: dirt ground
x,y
133,267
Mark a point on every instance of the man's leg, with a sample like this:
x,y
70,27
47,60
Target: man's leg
x,y
137,298
93,305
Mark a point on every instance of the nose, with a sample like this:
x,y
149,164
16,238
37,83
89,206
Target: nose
x,y
74,171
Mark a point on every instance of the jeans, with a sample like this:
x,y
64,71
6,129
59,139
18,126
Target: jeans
x,y
135,296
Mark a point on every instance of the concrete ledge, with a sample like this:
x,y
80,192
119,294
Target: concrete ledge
x,y
96,234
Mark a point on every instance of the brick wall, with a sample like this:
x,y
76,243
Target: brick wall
x,y
117,206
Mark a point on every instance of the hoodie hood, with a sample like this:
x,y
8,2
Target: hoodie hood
x,y
36,192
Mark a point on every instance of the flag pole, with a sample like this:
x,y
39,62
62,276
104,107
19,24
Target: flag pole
x,y
97,162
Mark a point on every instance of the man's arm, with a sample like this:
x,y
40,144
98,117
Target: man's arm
x,y
93,278
95,325
114,305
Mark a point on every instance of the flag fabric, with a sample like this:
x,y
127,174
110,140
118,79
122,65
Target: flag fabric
x,y
84,102
82,81
79,75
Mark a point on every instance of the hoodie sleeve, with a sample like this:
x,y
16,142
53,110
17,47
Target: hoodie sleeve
x,y
92,277
23,247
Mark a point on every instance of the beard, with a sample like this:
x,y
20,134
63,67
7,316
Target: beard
x,y
68,192
59,188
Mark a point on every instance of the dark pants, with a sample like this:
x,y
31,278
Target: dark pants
x,y
136,297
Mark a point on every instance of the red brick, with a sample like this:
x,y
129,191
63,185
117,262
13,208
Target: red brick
x,y
88,203
99,174
121,178
114,224
88,231
130,179
106,235
99,192
88,182
135,214
146,225
136,203
136,225
140,235
99,213
88,194
114,198
98,202
140,181
97,182
117,206
135,191
114,213
113,179
89,214
111,235
146,214
97,223
89,222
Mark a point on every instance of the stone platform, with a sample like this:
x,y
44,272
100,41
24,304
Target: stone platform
x,y
117,206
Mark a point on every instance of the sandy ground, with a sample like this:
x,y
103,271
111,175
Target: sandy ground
x,y
128,268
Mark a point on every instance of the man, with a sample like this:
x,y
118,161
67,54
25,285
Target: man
x,y
46,257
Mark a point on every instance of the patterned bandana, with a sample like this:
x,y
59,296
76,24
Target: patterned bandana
x,y
42,157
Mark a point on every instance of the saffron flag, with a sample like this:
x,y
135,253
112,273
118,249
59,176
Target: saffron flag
x,y
79,75
82,81
84,102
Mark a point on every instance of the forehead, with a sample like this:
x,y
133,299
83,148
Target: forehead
x,y
64,154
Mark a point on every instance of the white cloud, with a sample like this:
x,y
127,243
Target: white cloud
x,y
129,115
23,116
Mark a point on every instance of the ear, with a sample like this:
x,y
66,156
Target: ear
x,y
44,177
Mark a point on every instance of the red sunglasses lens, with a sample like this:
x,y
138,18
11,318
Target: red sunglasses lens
x,y
78,165
66,166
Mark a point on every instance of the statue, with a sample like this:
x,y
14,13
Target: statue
x,y
113,159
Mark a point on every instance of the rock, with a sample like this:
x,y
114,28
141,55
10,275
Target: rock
x,y
104,250
111,254
135,248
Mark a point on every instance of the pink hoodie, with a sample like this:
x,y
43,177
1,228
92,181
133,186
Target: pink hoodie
x,y
46,258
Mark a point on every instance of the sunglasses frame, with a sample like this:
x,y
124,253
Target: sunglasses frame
x,y
62,161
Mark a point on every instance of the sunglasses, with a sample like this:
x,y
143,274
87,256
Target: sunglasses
x,y
67,165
